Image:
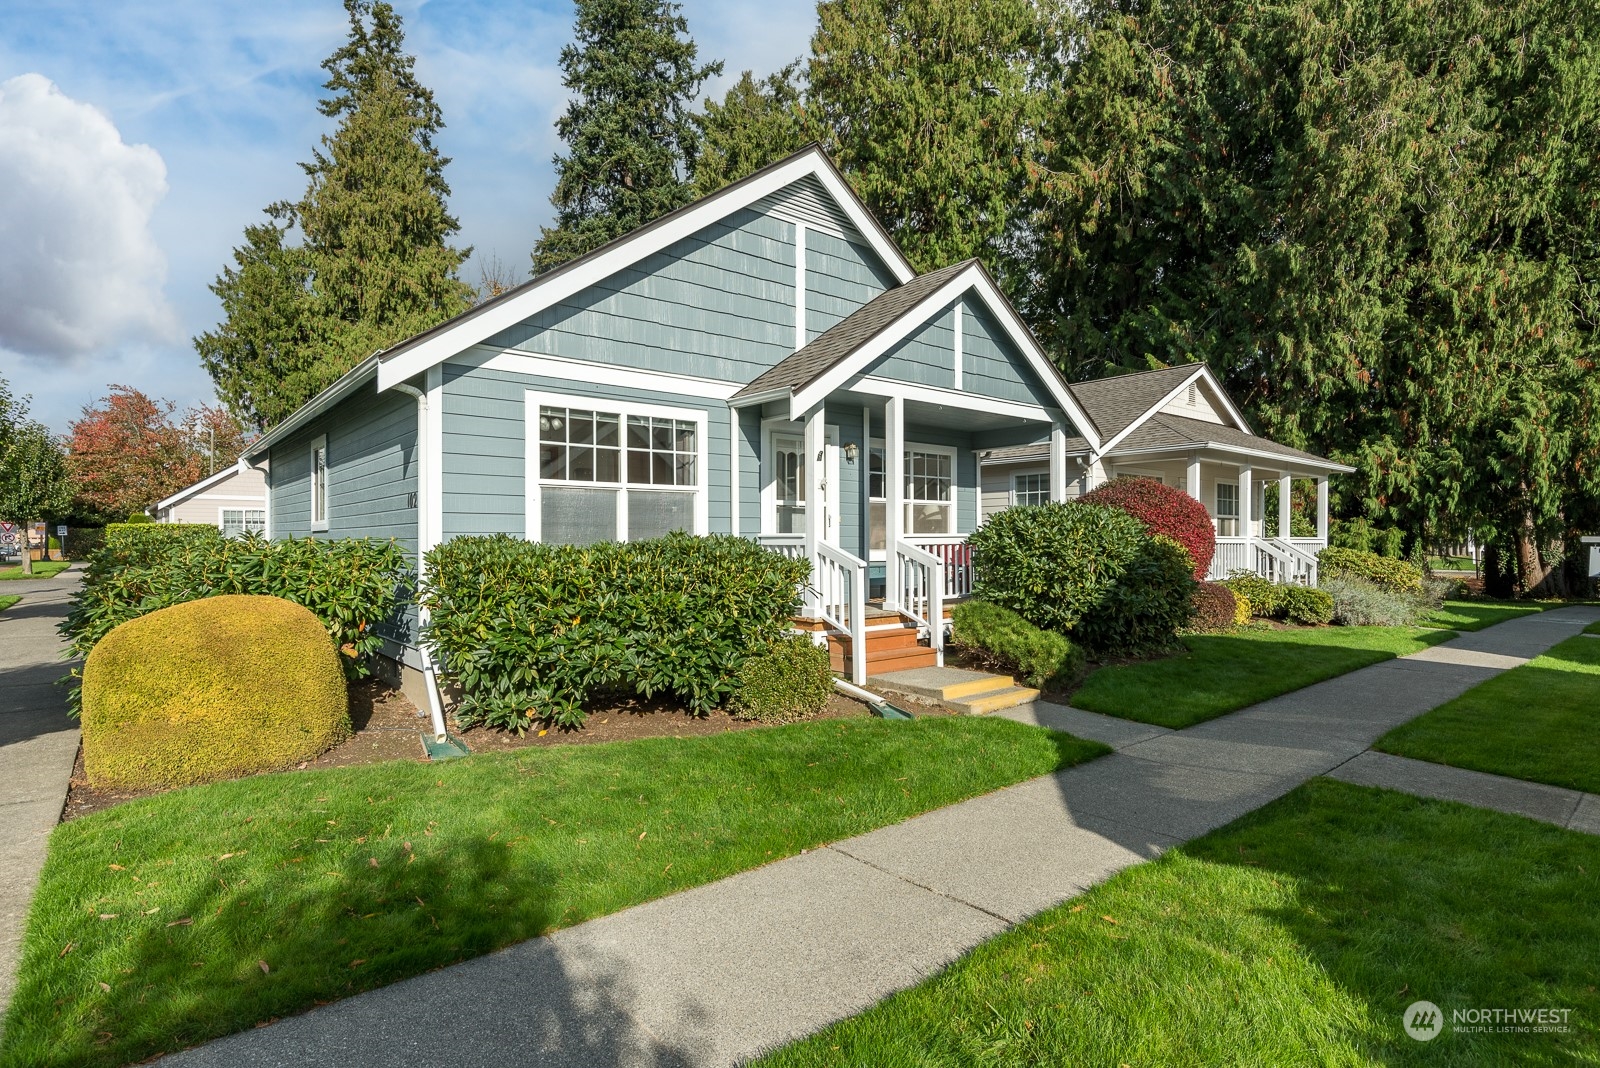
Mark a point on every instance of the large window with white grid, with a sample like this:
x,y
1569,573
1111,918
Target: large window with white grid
x,y
613,470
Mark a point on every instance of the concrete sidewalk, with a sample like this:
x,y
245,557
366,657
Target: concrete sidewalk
x,y
716,975
1572,809
38,746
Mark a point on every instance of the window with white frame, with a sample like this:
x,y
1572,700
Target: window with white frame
x,y
237,521
930,490
319,483
1227,511
615,472
877,502
1032,488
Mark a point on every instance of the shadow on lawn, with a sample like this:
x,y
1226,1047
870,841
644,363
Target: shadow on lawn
x,y
181,984
1403,899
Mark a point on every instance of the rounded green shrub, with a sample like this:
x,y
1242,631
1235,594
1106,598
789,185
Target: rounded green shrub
x,y
1307,606
208,689
1148,603
1039,658
1053,563
1383,571
791,680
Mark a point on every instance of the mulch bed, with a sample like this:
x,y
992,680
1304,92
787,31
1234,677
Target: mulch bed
x,y
387,726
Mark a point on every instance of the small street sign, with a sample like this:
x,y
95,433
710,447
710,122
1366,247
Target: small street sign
x,y
61,531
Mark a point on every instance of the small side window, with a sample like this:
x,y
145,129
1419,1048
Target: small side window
x,y
319,484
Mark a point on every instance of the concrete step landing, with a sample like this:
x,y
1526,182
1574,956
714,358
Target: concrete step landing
x,y
973,692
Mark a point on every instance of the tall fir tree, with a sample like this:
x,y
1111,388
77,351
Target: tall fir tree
x,y
631,138
1376,221
754,124
927,107
372,264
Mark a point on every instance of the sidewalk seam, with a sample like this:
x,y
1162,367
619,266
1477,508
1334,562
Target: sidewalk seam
x,y
833,847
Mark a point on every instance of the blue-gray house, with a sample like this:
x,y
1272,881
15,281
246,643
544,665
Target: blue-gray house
x,y
763,362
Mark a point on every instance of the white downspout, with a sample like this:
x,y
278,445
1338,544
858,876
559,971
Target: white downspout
x,y
435,703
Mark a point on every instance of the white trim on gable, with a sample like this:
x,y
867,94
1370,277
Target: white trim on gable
x,y
974,280
1200,371
606,374
562,283
204,484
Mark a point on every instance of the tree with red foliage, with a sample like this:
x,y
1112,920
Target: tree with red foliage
x,y
1163,510
127,451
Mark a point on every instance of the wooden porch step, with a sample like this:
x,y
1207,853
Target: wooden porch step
x,y
888,648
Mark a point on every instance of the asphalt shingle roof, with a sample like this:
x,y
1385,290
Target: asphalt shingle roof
x,y
1163,431
1116,403
834,345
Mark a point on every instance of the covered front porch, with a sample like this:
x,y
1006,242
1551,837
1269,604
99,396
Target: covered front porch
x,y
879,488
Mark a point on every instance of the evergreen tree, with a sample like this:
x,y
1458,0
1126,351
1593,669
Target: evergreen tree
x,y
372,265
631,140
756,123
1376,220
927,107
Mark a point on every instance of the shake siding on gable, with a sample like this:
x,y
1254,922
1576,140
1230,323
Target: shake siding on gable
x,y
484,432
718,305
991,364
927,357
841,276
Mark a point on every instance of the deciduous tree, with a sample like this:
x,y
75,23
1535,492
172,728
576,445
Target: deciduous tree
x,y
631,139
33,475
127,451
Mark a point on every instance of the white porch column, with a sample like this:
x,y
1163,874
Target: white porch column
x,y
1193,479
1322,509
1285,487
813,438
1247,499
894,494
1058,462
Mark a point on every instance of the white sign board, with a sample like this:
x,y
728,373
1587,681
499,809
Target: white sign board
x,y
61,531
1594,561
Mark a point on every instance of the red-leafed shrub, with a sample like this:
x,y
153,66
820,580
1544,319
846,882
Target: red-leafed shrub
x,y
1215,607
1164,510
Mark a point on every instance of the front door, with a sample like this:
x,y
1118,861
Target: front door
x,y
788,481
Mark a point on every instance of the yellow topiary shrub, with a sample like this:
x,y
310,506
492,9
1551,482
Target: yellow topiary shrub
x,y
1241,609
209,689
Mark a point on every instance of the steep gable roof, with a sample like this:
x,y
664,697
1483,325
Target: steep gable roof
x,y
809,165
1116,403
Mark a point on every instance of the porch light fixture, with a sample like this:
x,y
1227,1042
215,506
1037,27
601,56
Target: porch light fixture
x,y
850,450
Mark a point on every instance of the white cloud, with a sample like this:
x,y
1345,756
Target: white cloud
x,y
79,267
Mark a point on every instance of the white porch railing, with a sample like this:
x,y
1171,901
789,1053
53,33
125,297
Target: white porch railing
x,y
1293,561
916,588
955,556
791,545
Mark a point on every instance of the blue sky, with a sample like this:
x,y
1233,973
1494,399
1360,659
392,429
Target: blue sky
x,y
107,248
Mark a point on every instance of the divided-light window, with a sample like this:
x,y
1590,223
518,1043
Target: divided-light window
x,y
1030,489
613,474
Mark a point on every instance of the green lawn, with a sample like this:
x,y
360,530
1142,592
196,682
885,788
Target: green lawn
x,y
1452,563
164,922
1225,672
41,569
7,600
1537,722
1296,936
1592,628
1475,615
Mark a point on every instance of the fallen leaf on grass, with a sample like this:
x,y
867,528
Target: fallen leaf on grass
x,y
1109,920
642,834
358,963
185,922
117,867
108,915
106,987
65,950
152,912
372,862
263,966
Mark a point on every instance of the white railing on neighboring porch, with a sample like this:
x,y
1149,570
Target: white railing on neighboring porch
x,y
1293,561
955,556
791,545
916,589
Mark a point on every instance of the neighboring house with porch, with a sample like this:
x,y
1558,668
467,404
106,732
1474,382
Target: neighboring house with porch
x,y
1178,426
234,500
763,362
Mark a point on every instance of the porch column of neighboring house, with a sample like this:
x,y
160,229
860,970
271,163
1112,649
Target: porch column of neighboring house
x,y
1193,482
1246,506
894,492
1322,509
815,435
1285,487
1058,462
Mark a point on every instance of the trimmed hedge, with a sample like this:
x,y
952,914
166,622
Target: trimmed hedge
x,y
1148,604
351,585
212,688
1039,658
1308,606
1385,571
1163,510
1215,607
530,631
791,680
1053,563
